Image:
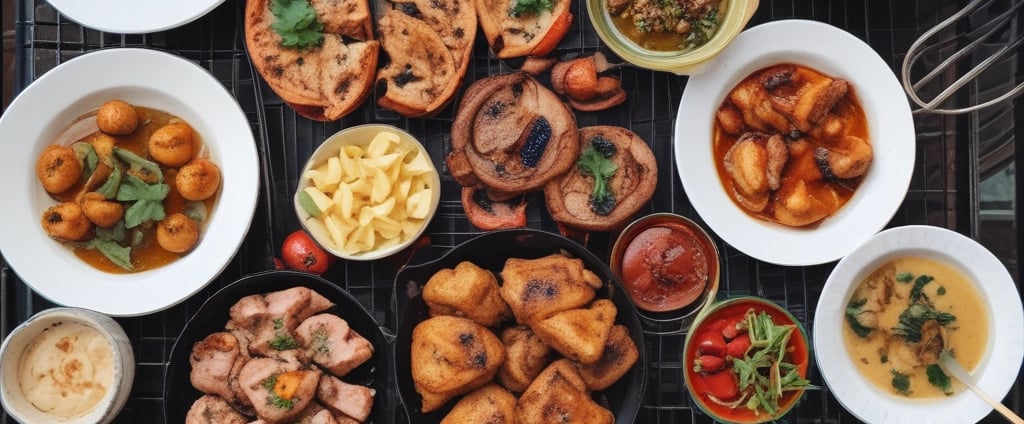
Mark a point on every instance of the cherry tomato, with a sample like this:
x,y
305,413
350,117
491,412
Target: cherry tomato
x,y
722,385
738,346
301,253
711,343
730,331
709,364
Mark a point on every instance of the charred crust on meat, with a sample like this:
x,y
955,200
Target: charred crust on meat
x,y
794,135
773,80
466,339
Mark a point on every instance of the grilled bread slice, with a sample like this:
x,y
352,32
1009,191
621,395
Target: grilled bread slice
x,y
429,43
322,83
528,34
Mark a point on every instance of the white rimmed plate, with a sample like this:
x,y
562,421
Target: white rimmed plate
x,y
144,78
134,16
997,371
891,129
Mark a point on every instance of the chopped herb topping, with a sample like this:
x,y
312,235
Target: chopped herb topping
x,y
939,379
900,382
919,283
320,342
941,291
278,323
852,313
530,7
283,342
904,277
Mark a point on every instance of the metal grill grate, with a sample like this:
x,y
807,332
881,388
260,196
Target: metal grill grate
x,y
946,168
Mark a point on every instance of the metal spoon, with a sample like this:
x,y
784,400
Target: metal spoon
x,y
953,367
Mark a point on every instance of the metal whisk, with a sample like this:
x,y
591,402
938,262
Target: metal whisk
x,y
975,39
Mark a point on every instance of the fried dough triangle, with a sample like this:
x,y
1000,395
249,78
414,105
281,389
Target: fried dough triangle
x,y
559,395
451,356
620,353
537,289
579,334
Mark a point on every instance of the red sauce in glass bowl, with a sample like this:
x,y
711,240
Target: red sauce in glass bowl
x,y
667,266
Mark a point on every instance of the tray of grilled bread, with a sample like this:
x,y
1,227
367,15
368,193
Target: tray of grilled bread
x,y
438,211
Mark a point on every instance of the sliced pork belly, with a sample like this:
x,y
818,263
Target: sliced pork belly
x,y
211,409
330,342
216,362
315,413
278,388
340,397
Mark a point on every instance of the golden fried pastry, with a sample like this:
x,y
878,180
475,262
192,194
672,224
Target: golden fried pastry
x,y
451,356
102,212
172,144
579,334
177,233
490,404
560,395
536,289
117,117
466,291
198,180
66,221
525,357
620,353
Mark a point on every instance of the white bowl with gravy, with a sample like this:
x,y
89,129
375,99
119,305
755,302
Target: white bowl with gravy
x,y
66,365
897,301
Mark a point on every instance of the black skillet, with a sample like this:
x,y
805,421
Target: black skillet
x,y
489,251
211,317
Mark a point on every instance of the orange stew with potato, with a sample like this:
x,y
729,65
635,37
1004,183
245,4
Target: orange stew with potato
x,y
740,356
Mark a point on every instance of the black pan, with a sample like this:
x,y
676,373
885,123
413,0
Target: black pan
x,y
489,251
211,317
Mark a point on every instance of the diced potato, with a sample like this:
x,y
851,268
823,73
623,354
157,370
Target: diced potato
x,y
365,215
418,166
384,208
344,199
324,203
361,187
387,227
332,176
338,229
381,186
384,162
418,204
348,167
381,144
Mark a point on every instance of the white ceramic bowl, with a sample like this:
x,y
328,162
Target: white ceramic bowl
x,y
995,373
361,135
890,125
144,78
11,396
134,16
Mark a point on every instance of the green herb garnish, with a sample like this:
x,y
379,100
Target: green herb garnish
x,y
762,372
278,323
939,379
914,317
273,398
283,342
941,291
904,277
320,342
852,314
296,23
595,163
900,382
919,283
527,7
119,255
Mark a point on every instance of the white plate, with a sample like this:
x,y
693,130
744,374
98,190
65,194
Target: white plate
x,y
890,125
134,16
144,78
997,371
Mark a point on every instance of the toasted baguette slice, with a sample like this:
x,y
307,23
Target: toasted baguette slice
x,y
453,20
322,83
421,77
533,34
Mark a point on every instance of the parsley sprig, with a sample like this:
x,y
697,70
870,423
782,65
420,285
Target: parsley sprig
x,y
596,162
296,23
527,7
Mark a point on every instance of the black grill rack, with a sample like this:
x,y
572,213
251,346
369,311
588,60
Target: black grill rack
x,y
955,155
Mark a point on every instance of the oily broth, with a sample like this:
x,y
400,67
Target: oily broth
x,y
967,336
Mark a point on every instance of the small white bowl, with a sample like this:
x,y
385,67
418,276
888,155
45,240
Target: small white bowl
x,y
11,396
361,135
995,374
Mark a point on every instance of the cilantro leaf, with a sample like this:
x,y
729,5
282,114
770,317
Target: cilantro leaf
x,y
133,188
904,277
527,7
117,254
117,233
939,379
296,23
919,283
852,314
595,164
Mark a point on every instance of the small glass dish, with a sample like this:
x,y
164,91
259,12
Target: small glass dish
x,y
681,62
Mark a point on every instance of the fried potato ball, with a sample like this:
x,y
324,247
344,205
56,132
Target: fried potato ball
x,y
172,144
65,221
177,233
58,169
103,144
102,212
198,180
117,117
